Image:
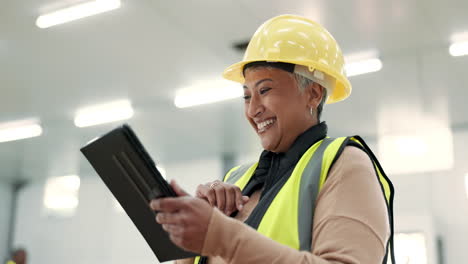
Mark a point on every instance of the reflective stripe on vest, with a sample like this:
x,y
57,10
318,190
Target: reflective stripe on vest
x,y
296,199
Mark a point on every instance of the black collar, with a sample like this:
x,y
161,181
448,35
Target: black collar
x,y
298,148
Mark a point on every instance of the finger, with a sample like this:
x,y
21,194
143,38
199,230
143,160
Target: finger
x,y
201,191
239,200
167,204
173,229
206,193
177,189
211,196
220,197
245,199
211,186
168,218
230,200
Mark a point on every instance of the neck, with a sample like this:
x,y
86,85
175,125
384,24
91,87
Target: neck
x,y
282,148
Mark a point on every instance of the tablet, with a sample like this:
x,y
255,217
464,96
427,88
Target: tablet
x,y
131,175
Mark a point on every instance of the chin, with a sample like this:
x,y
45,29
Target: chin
x,y
265,146
268,145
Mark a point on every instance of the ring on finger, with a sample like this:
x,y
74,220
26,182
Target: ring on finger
x,y
213,185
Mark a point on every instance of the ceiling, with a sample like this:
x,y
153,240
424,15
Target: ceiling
x,y
147,49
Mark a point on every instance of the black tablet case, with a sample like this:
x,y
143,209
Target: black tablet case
x,y
131,175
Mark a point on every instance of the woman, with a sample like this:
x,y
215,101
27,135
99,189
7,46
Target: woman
x,y
309,198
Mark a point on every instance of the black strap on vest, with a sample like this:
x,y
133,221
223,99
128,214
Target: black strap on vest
x,y
390,247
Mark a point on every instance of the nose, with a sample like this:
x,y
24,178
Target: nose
x,y
255,107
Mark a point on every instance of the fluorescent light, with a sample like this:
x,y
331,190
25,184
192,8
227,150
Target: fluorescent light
x,y
104,113
205,92
362,67
459,49
61,194
76,12
410,248
362,62
411,146
417,152
19,130
459,46
61,202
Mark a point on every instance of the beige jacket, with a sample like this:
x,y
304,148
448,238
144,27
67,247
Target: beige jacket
x,y
350,223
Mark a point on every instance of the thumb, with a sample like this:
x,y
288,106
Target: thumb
x,y
245,199
177,189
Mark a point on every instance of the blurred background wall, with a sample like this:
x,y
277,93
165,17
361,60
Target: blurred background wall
x,y
412,112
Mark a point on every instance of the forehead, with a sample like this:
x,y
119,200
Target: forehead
x,y
255,74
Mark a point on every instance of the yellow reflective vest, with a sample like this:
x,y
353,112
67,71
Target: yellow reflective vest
x,y
289,218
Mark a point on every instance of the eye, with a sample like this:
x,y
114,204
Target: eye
x,y
246,97
264,90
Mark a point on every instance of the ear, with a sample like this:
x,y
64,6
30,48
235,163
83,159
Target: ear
x,y
314,93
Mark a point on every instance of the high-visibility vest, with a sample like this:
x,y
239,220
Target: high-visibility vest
x,y
289,218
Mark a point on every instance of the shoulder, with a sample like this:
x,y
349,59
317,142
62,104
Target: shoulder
x,y
352,164
353,191
354,156
352,177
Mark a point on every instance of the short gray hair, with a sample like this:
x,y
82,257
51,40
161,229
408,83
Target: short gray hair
x,y
302,83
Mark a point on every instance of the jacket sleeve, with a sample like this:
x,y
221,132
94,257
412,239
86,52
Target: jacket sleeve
x,y
350,223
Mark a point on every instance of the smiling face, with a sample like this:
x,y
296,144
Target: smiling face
x,y
277,110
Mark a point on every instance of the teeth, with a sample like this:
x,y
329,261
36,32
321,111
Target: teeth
x,y
265,123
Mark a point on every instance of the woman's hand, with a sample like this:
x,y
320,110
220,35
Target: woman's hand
x,y
185,218
227,197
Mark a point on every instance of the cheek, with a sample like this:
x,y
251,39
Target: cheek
x,y
246,114
281,109
290,113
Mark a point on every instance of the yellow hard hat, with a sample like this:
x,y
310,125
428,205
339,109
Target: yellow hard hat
x,y
296,40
